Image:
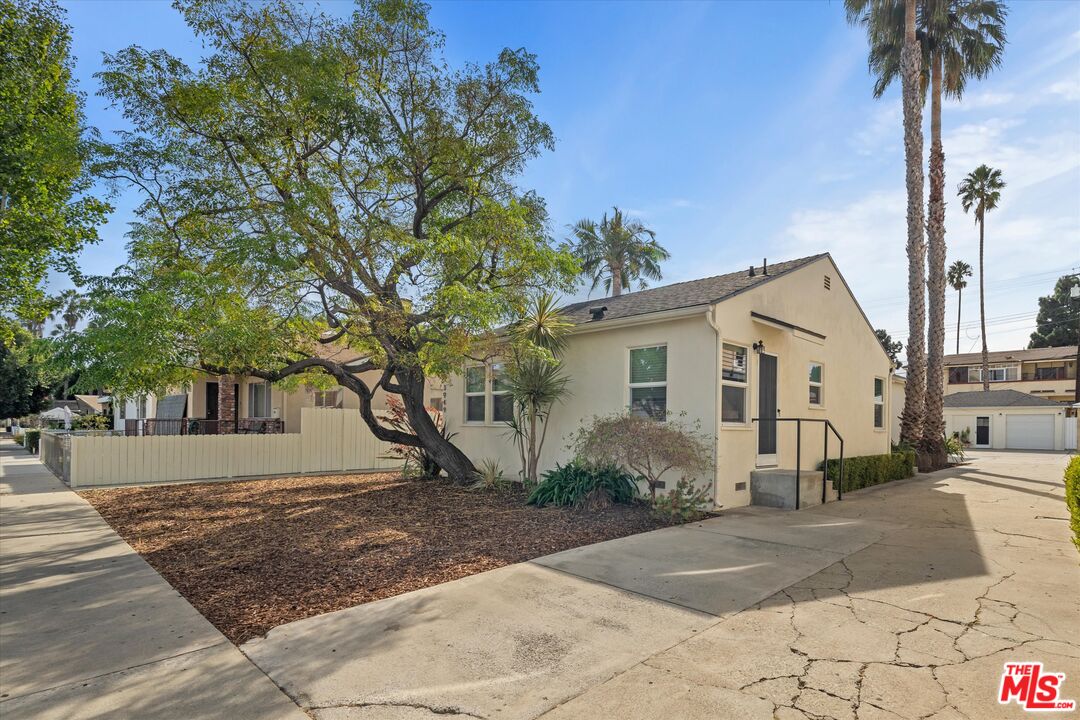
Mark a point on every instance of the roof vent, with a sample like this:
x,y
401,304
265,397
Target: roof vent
x,y
598,312
765,266
751,271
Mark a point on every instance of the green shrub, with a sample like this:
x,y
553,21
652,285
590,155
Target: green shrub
x,y
91,422
32,439
582,485
683,504
1072,497
866,470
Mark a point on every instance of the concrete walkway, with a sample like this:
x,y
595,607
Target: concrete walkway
x,y
902,601
89,630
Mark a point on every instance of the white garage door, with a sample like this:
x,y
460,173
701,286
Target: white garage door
x,y
1029,432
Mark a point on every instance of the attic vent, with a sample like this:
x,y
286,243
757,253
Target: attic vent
x,y
828,283
597,313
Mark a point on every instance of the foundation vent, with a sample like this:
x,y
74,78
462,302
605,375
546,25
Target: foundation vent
x,y
739,487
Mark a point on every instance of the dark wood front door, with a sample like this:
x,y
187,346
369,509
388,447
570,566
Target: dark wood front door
x,y
211,401
767,410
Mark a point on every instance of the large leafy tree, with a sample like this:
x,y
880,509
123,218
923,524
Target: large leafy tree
x,y
617,251
957,276
45,215
1058,321
24,381
321,182
878,17
981,191
960,40
893,348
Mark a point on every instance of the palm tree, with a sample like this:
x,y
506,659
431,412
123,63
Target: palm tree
x,y
879,19
958,271
70,308
981,189
617,251
535,378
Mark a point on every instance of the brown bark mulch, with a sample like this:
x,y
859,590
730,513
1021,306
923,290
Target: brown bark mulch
x,y
251,555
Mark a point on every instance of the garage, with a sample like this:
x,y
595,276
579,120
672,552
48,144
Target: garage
x,y
1005,420
1029,432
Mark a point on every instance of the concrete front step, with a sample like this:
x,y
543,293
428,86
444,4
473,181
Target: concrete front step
x,y
776,488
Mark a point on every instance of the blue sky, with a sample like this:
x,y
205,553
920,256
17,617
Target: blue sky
x,y
743,130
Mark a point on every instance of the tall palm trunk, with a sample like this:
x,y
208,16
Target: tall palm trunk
x,y
616,278
959,306
910,62
982,303
933,430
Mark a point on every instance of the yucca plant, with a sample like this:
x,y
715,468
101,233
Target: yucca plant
x,y
489,476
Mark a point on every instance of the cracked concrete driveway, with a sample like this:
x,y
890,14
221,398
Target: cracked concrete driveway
x,y
902,601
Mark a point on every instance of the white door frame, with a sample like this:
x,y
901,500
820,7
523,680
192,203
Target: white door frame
x,y
768,460
989,432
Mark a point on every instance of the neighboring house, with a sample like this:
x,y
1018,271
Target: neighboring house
x,y
1048,373
787,340
1009,420
247,403
896,401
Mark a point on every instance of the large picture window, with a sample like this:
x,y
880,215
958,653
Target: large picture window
x,y
648,381
879,402
475,394
734,376
259,400
817,389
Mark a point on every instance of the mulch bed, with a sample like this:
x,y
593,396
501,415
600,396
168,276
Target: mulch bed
x,y
251,555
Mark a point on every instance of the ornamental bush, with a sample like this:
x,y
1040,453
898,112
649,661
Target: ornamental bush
x,y
582,485
866,470
685,503
31,439
1072,497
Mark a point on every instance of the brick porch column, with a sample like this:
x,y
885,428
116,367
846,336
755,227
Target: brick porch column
x,y
226,405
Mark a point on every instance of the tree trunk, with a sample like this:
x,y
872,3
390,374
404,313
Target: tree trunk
x,y
959,306
933,430
982,304
910,61
445,454
616,279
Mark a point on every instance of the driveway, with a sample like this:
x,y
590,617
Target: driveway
x,y
902,601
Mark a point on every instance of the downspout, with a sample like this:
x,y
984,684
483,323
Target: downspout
x,y
711,318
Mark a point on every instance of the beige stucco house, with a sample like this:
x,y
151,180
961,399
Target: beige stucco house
x,y
1048,373
787,340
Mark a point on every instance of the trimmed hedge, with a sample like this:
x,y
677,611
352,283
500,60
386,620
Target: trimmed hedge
x,y
866,470
1072,497
31,439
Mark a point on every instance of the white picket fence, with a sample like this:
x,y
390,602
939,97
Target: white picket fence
x,y
328,441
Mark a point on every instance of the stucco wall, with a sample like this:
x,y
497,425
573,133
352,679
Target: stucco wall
x,y
598,363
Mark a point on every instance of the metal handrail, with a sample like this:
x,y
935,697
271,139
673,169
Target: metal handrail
x,y
825,464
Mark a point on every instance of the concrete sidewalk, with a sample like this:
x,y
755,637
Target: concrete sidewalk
x,y
89,630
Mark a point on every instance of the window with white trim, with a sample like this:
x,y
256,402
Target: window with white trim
x,y
817,390
259,400
734,377
879,402
328,398
476,394
648,381
502,402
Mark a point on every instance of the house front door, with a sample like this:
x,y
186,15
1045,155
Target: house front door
x,y
767,410
982,432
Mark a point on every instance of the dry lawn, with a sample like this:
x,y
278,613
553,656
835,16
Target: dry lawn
x,y
251,555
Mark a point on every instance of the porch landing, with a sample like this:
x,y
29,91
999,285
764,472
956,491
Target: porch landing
x,y
776,488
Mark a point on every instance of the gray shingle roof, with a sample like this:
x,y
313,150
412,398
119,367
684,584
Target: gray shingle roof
x,y
681,295
1050,353
997,398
